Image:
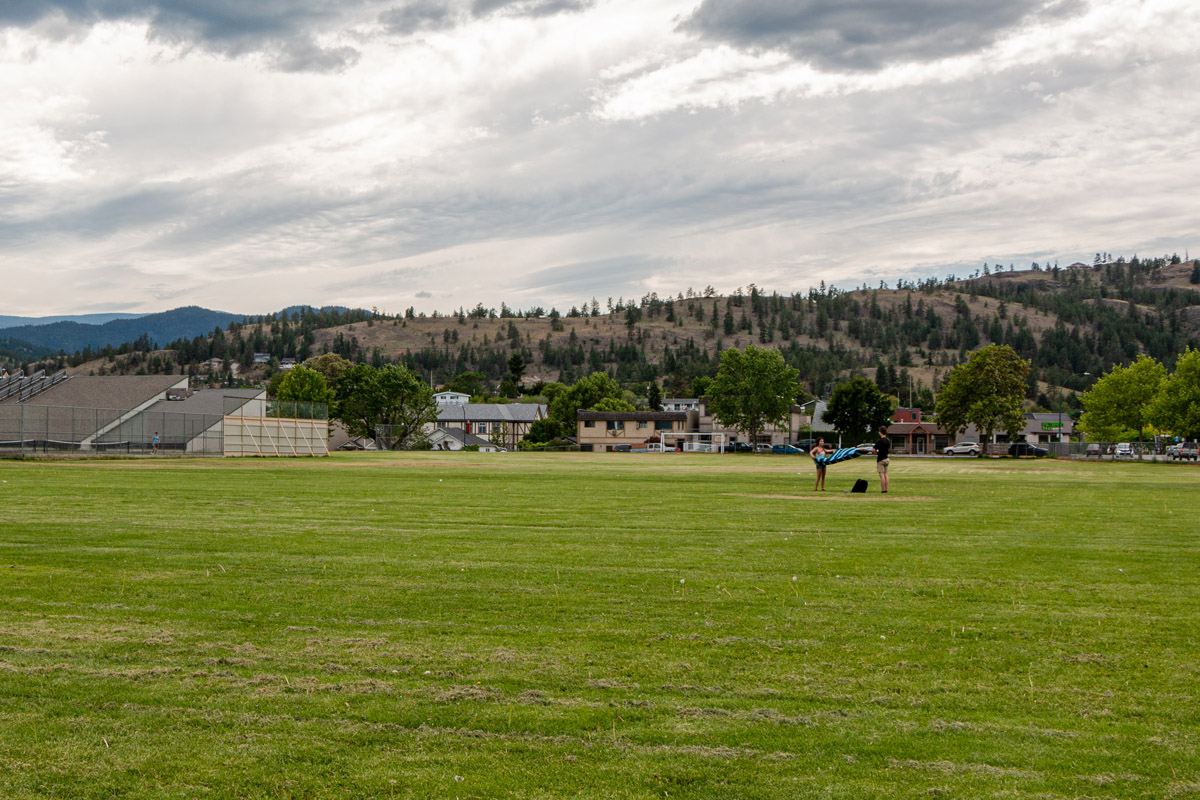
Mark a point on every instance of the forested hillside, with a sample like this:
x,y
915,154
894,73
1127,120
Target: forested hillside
x,y
1066,321
70,336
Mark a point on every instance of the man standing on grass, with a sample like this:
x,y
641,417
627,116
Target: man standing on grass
x,y
882,447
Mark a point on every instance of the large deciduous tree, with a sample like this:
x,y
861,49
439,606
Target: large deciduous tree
x,y
1176,408
305,388
392,396
753,388
987,391
857,408
303,385
1118,403
331,366
566,401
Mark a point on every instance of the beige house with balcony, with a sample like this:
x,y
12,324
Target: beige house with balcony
x,y
605,431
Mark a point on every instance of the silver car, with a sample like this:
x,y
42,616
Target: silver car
x,y
962,449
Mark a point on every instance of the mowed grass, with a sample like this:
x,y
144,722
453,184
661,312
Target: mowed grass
x,y
472,625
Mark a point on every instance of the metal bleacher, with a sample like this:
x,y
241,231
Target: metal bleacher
x,y
23,387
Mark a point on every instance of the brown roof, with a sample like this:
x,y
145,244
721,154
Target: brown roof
x,y
637,416
906,428
118,392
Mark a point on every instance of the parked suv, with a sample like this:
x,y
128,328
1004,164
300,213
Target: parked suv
x,y
1124,450
1017,449
962,448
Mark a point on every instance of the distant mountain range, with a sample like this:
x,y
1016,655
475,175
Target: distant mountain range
x,y
69,334
86,319
28,338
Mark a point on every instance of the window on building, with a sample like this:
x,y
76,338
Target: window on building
x,y
664,425
616,425
642,423
589,423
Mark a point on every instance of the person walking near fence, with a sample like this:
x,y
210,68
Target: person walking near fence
x,y
882,448
154,443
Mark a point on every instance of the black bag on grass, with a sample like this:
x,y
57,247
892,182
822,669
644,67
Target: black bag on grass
x,y
860,487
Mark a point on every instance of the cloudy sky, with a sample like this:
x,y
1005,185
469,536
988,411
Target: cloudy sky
x,y
437,153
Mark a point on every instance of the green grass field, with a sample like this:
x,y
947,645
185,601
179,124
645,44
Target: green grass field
x,y
424,625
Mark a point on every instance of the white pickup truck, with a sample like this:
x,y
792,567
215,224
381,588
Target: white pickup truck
x,y
1189,451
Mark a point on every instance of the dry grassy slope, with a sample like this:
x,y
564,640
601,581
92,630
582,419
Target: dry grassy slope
x,y
395,337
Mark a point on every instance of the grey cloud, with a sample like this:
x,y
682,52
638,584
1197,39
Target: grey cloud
x,y
866,34
531,8
305,55
430,15
602,275
422,15
230,27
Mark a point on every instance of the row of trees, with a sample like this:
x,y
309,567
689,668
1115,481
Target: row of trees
x,y
755,388
1143,395
363,397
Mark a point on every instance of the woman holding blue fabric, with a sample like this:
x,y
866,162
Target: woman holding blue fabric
x,y
823,457
818,456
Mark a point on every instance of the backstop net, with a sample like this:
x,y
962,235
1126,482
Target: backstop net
x,y
275,428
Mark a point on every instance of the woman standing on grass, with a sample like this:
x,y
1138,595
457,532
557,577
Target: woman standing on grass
x,y
817,452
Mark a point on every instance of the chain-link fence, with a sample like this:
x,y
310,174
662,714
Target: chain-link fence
x,y
94,431
41,429
1089,451
278,409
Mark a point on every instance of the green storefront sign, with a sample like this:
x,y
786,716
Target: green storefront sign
x,y
1051,426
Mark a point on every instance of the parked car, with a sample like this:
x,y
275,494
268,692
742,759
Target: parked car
x,y
1093,450
1189,451
1018,449
786,450
738,447
762,448
962,449
804,445
1123,450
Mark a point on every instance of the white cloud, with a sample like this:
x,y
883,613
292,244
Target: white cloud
x,y
526,152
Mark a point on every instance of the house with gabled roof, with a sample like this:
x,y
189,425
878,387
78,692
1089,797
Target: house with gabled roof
x,y
458,439
502,423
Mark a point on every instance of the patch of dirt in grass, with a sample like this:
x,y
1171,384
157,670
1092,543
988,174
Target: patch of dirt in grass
x,y
867,498
476,693
949,767
705,712
606,683
1091,658
233,662
723,753
1108,778
1184,789
535,697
